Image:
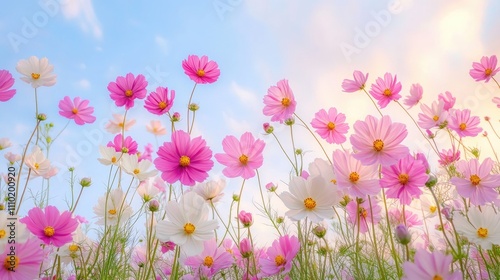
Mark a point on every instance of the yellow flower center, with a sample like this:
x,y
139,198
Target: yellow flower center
x,y
362,212
121,125
137,171
48,231
279,260
309,203
74,111
2,233
208,261
435,118
35,76
184,161
73,248
387,92
403,178
354,177
189,228
243,159
128,93
475,180
37,165
330,126
10,263
113,159
162,105
378,145
482,232
432,209
285,101
200,73
437,277
333,181
112,212
462,126
488,71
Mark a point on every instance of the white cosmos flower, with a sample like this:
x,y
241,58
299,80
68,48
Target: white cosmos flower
x,y
6,225
312,198
482,228
38,162
136,168
210,190
109,156
147,189
112,207
37,72
187,225
5,143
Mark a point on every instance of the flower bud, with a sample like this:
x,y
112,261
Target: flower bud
x,y
176,117
447,213
431,182
153,205
280,219
85,182
41,117
271,187
236,197
290,121
319,231
245,218
403,236
268,128
245,248
193,107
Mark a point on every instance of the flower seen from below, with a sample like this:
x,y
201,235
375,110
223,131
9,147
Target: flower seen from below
x,y
159,102
77,110
112,209
126,89
357,84
156,128
363,213
433,116
435,266
210,191
126,146
279,102
448,99
37,72
330,125
201,70
138,169
118,124
415,96
6,82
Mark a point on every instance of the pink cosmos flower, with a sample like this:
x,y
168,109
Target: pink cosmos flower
x,y
463,124
77,110
280,256
385,90
201,71
330,126
448,99
126,89
427,265
50,226
415,96
378,141
26,262
485,69
148,151
211,260
448,156
433,116
184,159
477,183
364,214
156,128
117,124
496,100
404,179
242,157
279,102
158,102
354,178
357,84
409,218
6,82
127,145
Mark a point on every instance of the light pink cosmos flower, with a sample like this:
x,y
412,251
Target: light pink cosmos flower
x,y
415,96
147,154
448,156
117,124
159,102
37,72
280,255
184,159
77,110
50,226
427,265
126,89
404,179
210,261
241,158
210,191
330,126
358,83
364,214
279,102
201,70
6,82
26,262
433,116
354,178
485,69
386,90
409,218
448,99
496,100
156,128
127,145
477,183
379,141
463,124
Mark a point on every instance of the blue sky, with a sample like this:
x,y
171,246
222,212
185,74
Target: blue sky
x,y
313,44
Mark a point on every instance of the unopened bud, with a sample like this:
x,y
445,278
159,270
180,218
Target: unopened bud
x,y
403,236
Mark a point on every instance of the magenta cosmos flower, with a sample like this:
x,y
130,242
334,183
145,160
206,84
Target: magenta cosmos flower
x,y
415,96
241,157
201,70
477,183
485,69
127,145
404,179
77,110
279,102
280,256
6,82
358,83
126,89
364,213
26,262
427,265
211,260
158,102
463,124
184,159
379,141
330,125
385,90
50,226
354,178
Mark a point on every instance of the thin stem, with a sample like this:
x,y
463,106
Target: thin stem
x,y
373,101
189,103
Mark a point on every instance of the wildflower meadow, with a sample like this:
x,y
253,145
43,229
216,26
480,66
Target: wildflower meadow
x,y
374,208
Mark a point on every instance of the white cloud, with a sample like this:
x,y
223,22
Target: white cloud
x,y
247,97
83,84
82,11
162,43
